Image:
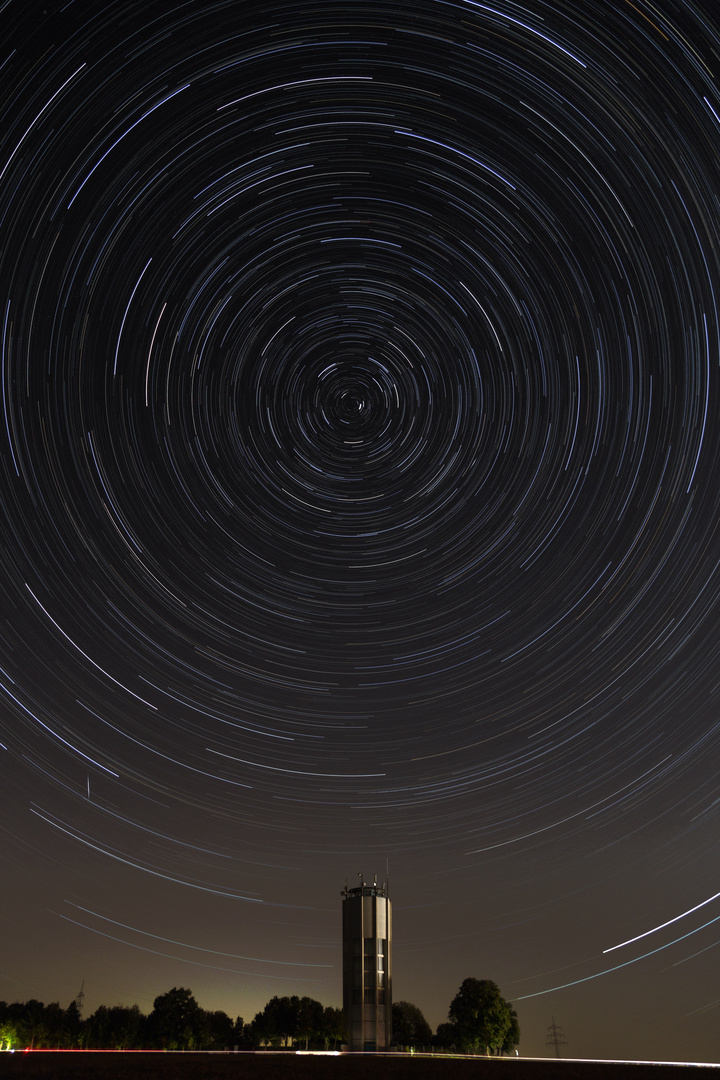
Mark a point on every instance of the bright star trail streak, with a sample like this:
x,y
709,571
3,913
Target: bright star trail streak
x,y
360,454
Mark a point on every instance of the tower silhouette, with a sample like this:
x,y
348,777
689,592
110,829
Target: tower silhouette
x,y
367,966
554,1037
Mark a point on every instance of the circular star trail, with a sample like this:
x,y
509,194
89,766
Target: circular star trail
x,y
359,427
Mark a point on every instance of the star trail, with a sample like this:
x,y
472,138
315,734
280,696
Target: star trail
x,y
360,507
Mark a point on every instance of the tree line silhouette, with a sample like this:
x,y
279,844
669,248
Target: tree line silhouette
x,y
480,1021
177,1022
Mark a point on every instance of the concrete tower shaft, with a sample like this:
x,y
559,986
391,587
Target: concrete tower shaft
x,y
367,966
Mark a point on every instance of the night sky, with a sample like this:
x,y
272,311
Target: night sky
x,y
360,504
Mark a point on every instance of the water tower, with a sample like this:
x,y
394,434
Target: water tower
x,y
367,966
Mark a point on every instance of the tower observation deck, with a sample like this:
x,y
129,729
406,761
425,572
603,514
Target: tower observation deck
x,y
367,966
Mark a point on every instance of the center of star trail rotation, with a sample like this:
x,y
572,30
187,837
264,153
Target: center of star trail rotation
x,y
359,419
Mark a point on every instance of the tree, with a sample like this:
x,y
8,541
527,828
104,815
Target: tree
x,y
512,1036
285,1019
98,1030
409,1026
333,1027
72,1026
240,1031
276,1023
54,1021
28,1018
9,1037
482,1018
116,1028
446,1037
176,1022
219,1033
309,1020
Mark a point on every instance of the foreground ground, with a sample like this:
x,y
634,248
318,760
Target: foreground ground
x,y
99,1065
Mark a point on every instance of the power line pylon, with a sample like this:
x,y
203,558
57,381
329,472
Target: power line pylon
x,y
554,1037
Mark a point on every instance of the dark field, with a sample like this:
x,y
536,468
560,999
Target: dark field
x,y
159,1066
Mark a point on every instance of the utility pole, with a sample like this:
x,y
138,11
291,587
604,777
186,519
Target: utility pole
x,y
554,1037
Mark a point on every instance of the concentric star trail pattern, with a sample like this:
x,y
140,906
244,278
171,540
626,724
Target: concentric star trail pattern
x,y
360,501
